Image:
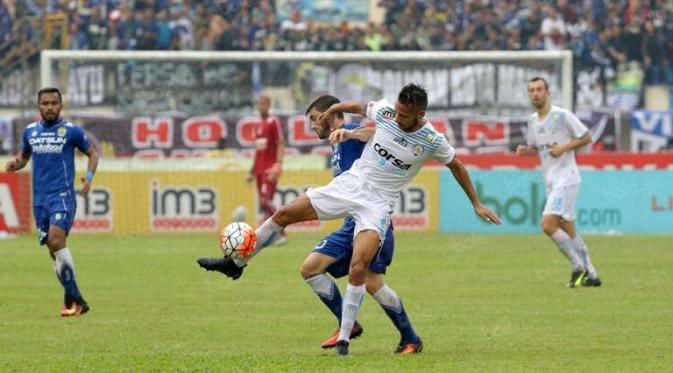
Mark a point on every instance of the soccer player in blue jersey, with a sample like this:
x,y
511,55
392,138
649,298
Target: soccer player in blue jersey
x,y
51,143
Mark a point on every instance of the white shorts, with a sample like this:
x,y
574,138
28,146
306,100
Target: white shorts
x,y
561,201
347,195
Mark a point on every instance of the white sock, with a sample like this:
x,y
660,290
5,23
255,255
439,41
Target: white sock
x,y
388,299
583,251
351,306
62,257
266,234
566,246
53,262
322,285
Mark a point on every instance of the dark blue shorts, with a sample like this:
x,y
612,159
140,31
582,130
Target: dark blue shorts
x,y
58,211
339,245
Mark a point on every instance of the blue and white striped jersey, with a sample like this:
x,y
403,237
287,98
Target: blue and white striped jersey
x,y
393,157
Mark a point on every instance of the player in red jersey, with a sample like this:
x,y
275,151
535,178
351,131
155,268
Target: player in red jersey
x,y
266,168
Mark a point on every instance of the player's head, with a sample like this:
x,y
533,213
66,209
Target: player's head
x,y
317,107
412,102
263,104
49,103
538,92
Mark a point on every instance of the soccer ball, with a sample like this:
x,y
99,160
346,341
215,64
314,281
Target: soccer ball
x,y
237,240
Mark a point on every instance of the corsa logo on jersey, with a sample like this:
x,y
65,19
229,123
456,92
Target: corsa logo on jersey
x,y
388,156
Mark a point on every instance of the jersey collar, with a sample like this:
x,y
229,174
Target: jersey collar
x,y
46,124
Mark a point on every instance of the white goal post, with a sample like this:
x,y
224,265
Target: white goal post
x,y
437,58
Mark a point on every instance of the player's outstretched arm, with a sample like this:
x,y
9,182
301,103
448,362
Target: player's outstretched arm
x,y
90,171
463,178
355,107
361,134
18,163
526,150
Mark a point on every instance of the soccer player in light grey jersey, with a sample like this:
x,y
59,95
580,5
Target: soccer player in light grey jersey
x,y
367,192
554,134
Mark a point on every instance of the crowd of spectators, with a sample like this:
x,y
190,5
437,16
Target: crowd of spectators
x,y
599,32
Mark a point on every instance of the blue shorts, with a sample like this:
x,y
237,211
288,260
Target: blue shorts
x,y
339,245
59,212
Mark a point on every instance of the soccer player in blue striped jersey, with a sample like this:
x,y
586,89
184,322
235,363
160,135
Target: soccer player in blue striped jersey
x,y
402,142
555,134
51,143
333,254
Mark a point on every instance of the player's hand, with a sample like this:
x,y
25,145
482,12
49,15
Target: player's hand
x,y
249,179
273,172
12,166
556,150
86,187
325,118
487,214
339,135
521,150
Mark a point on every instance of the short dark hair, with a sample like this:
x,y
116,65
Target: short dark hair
x,y
49,90
537,79
323,103
413,95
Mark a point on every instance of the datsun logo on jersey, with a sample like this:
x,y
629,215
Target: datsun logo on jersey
x,y
47,144
94,213
182,208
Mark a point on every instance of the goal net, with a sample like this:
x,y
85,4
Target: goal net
x,y
175,129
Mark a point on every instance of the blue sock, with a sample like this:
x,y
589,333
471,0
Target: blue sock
x,y
65,270
392,305
328,293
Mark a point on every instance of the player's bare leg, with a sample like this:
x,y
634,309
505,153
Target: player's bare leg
x,y
591,275
365,245
313,270
551,225
73,304
392,305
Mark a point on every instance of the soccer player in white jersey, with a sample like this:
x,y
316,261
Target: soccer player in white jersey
x,y
402,142
554,134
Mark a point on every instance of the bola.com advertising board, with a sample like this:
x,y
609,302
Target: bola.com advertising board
x,y
610,201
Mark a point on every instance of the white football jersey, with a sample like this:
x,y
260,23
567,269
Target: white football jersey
x,y
393,157
559,127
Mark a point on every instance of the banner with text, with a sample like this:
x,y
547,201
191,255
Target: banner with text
x,y
457,87
651,131
131,203
638,201
181,136
15,209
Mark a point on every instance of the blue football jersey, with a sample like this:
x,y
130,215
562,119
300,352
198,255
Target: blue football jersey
x,y
345,153
52,148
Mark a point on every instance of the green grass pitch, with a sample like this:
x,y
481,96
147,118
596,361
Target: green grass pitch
x,y
481,304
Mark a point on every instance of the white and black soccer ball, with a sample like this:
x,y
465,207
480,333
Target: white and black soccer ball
x,y
237,240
